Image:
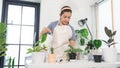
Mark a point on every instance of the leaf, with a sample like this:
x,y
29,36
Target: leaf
x,y
114,33
9,63
13,62
82,41
97,43
108,32
105,41
44,36
84,33
110,40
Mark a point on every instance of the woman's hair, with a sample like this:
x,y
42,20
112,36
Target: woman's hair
x,y
65,9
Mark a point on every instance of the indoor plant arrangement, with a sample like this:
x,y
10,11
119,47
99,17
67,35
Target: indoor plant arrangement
x,y
110,54
39,50
71,52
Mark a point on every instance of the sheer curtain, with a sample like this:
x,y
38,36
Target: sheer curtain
x,y
105,18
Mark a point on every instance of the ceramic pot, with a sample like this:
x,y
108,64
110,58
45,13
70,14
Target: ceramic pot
x,y
109,54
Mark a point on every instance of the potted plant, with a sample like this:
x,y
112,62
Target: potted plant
x,y
110,53
97,44
71,52
51,56
39,50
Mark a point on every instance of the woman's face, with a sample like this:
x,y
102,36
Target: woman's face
x,y
65,18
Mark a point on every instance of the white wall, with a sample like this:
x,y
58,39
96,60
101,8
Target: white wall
x,y
50,11
0,8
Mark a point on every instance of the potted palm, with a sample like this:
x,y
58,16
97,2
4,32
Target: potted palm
x,y
39,50
109,53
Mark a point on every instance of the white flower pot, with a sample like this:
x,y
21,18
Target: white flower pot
x,y
38,57
109,54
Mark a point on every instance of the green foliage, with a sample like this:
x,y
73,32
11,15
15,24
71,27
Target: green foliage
x,y
110,35
52,50
72,50
11,62
97,43
82,35
39,46
2,39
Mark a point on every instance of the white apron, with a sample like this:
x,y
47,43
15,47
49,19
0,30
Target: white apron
x,y
61,36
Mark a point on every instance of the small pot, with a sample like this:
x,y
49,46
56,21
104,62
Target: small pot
x,y
51,58
97,58
72,56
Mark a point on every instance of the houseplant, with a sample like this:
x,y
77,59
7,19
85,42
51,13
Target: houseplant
x,y
110,54
97,44
2,39
110,35
11,62
71,52
51,56
3,45
39,50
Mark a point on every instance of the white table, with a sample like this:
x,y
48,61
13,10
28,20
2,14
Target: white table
x,y
75,64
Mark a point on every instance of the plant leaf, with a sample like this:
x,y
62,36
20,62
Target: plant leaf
x,y
44,36
108,32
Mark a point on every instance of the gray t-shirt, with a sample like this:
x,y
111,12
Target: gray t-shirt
x,y
55,23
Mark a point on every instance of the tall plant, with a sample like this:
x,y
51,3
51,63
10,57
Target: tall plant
x,y
2,39
110,35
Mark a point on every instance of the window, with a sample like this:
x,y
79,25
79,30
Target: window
x,y
108,15
22,19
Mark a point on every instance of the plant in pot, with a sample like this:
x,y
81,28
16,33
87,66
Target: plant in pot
x,y
71,52
97,55
51,56
38,50
82,38
109,54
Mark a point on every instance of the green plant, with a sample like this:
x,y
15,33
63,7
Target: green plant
x,y
72,50
97,43
11,62
82,35
2,39
39,45
52,50
110,35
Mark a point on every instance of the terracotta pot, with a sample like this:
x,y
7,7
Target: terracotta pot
x,y
51,58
